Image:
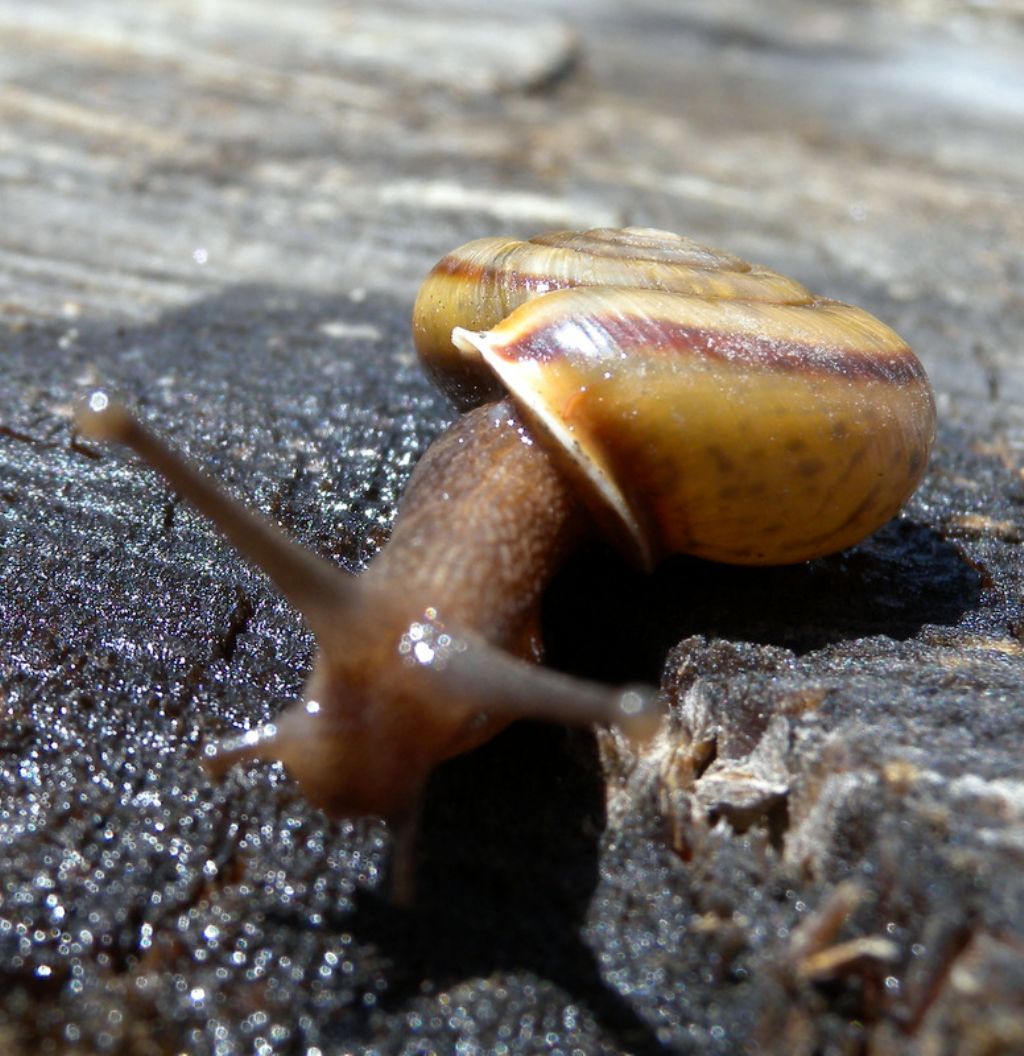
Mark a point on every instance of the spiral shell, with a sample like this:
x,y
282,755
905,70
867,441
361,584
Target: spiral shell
x,y
705,406
482,282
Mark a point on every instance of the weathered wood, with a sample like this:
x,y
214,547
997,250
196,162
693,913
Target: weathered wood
x,y
222,210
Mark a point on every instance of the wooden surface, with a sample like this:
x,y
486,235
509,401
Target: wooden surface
x,y
223,210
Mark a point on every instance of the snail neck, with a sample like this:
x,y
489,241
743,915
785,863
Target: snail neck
x,y
484,524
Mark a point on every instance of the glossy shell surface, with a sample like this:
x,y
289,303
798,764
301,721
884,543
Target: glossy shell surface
x,y
482,282
738,418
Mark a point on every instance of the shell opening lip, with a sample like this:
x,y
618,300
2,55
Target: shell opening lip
x,y
468,341
522,380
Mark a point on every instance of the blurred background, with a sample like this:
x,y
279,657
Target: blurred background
x,y
152,153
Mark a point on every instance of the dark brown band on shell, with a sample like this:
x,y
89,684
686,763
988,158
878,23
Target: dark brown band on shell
x,y
517,282
469,271
663,337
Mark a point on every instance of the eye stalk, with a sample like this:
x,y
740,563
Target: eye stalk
x,y
634,383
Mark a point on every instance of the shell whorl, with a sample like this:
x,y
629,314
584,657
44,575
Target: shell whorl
x,y
704,405
482,282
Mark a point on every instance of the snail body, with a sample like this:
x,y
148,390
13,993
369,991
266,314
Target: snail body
x,y
393,683
668,395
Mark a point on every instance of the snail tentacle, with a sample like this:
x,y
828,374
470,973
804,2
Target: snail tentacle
x,y
319,590
517,689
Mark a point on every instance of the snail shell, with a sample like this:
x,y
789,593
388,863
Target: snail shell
x,y
704,405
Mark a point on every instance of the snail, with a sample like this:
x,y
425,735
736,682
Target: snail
x,y
633,382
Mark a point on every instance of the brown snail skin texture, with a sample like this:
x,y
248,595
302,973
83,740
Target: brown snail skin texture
x,y
670,395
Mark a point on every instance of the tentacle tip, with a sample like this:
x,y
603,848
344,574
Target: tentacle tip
x,y
639,713
218,758
99,417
